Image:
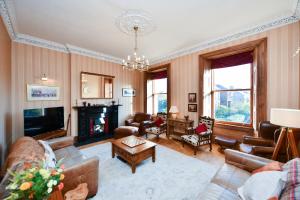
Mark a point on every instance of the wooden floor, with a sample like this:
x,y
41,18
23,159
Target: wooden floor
x,y
214,157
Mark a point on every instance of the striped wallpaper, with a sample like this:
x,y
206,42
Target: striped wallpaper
x,y
283,70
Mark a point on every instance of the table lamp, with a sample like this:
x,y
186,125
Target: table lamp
x,y
173,110
286,118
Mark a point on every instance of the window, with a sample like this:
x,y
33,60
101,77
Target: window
x,y
232,94
157,96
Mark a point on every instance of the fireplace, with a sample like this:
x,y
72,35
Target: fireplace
x,y
96,123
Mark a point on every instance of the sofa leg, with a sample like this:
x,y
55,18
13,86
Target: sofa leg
x,y
210,147
195,150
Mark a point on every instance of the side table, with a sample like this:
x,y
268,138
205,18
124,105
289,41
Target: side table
x,y
178,127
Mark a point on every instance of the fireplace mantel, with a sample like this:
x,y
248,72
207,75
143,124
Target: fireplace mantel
x,y
96,123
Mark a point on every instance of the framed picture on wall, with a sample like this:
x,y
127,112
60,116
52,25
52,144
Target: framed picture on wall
x,y
192,107
42,93
192,97
128,92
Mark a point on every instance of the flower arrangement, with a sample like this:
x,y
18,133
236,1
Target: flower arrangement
x,y
35,182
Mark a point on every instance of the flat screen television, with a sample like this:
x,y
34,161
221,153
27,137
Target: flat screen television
x,y
41,120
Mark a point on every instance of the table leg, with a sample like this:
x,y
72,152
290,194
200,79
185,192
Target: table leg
x,y
112,151
153,154
133,167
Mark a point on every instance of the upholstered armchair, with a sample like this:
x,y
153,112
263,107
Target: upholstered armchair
x,y
264,144
196,138
139,120
157,127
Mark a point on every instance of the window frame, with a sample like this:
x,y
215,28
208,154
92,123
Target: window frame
x,y
153,95
251,89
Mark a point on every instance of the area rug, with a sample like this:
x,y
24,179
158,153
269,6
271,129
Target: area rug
x,y
174,176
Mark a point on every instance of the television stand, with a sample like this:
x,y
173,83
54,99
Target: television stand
x,y
54,134
51,135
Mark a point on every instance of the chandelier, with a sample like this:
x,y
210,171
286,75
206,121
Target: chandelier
x,y
134,61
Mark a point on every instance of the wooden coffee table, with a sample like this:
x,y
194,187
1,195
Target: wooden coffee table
x,y
133,155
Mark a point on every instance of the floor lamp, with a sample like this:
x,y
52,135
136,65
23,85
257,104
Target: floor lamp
x,y
287,119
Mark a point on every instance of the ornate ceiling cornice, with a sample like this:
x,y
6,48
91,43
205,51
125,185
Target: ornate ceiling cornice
x,y
31,40
27,39
93,54
22,38
7,19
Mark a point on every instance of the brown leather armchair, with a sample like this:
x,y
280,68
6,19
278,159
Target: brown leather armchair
x,y
140,120
264,144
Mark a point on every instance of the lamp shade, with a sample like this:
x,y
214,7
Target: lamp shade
x,y
285,117
173,109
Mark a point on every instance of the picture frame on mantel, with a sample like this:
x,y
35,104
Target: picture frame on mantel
x,y
128,92
42,93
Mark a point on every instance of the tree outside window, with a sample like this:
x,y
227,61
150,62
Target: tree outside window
x,y
157,96
232,94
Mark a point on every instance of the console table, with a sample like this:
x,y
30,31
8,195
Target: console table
x,y
177,127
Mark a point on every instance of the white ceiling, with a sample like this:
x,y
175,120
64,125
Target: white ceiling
x,y
90,24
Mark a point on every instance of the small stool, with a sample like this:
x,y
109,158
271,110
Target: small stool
x,y
79,193
124,131
225,142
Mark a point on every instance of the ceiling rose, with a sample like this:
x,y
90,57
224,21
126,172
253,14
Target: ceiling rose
x,y
135,18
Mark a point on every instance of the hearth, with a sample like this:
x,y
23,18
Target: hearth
x,y
96,123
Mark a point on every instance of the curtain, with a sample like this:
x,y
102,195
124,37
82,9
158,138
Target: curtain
x,y
233,60
158,75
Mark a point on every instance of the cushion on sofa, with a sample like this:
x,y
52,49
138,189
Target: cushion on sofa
x,y
71,156
216,192
263,185
292,189
230,177
50,158
24,149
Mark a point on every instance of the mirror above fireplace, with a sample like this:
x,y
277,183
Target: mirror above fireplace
x,y
96,86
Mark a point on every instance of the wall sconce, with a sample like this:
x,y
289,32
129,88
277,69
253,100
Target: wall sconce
x,y
44,78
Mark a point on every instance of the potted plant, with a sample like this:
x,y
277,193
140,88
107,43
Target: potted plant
x,y
35,181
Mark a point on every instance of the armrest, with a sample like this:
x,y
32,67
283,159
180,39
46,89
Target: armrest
x,y
257,141
147,123
262,150
58,143
163,125
209,132
245,161
190,130
83,172
128,122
